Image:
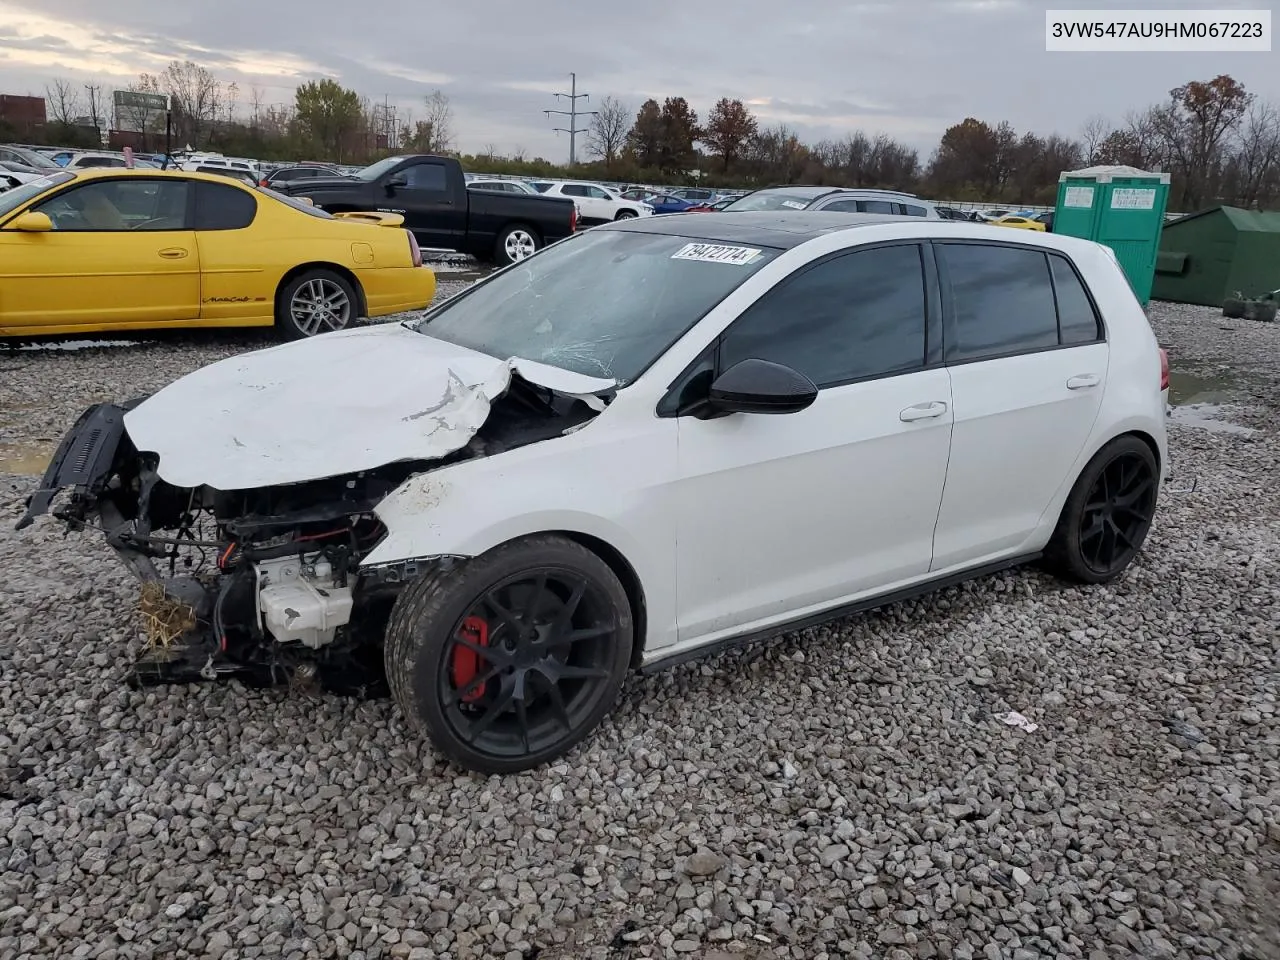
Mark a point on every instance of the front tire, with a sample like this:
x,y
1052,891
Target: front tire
x,y
510,660
315,302
625,215
1108,513
515,243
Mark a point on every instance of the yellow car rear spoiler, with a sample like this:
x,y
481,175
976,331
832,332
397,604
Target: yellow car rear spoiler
x,y
381,219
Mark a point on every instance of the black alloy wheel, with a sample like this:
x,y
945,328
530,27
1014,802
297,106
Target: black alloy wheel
x,y
513,659
1108,514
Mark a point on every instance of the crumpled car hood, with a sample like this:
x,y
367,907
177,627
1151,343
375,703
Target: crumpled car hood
x,y
337,403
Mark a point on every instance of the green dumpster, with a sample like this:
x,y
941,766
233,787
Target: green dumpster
x,y
1121,207
1209,256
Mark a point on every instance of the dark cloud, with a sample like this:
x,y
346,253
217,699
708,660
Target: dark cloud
x,y
905,67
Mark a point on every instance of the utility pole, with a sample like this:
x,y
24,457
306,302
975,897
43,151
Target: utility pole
x,y
573,113
390,127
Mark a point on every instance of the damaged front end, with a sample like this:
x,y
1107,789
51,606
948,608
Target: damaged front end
x,y
263,584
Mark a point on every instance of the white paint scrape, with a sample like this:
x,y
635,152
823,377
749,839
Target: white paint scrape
x,y
333,404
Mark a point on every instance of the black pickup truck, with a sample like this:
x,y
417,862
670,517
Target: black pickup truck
x,y
431,193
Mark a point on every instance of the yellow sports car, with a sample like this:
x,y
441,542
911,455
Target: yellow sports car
x,y
113,249
1021,223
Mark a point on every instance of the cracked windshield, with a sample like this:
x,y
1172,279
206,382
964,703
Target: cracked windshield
x,y
604,304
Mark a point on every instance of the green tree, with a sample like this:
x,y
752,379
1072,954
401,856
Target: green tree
x,y
645,139
679,133
327,113
730,127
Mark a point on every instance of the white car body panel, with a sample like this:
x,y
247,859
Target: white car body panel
x,y
598,208
409,397
672,499
810,500
1016,412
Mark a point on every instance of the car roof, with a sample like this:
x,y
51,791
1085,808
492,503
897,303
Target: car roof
x,y
757,228
86,174
784,230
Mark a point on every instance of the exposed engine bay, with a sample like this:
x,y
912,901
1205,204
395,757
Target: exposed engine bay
x,y
264,584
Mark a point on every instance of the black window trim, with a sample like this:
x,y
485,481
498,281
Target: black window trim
x,y
668,405
80,184
948,306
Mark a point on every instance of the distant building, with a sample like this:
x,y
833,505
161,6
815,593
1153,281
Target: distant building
x,y
24,114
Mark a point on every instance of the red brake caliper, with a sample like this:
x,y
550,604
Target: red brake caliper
x,y
467,664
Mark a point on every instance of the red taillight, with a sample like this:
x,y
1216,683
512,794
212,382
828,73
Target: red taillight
x,y
415,252
573,219
263,182
1164,369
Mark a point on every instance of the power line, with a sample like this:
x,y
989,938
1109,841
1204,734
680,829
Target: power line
x,y
573,113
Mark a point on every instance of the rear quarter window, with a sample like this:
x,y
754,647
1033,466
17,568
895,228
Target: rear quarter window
x,y
1078,321
224,207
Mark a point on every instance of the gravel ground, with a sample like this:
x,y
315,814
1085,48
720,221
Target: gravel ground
x,y
842,792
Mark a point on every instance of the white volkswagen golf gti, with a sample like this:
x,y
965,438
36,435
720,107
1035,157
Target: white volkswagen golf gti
x,y
648,441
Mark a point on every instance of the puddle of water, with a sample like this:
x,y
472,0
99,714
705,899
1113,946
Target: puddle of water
x,y
1207,416
26,459
1189,388
69,345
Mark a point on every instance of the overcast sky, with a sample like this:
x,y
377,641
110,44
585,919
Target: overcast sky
x,y
909,68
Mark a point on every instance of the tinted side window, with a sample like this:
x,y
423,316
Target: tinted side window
x,y
858,315
842,206
1001,300
1077,320
222,207
876,206
597,194
426,176
573,190
912,210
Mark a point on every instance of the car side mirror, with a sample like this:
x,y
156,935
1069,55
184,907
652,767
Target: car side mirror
x,y
397,180
32,222
761,386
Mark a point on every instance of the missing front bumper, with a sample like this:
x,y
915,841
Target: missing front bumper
x,y
84,461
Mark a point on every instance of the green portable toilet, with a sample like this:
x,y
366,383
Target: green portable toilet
x,y
1214,254
1121,207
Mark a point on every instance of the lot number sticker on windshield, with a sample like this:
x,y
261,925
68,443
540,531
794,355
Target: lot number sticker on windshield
x,y
793,204
716,253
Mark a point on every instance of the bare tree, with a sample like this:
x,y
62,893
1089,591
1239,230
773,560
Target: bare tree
x,y
231,99
435,129
1095,130
196,100
62,101
255,106
1254,170
519,154
607,133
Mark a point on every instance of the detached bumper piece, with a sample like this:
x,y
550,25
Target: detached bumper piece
x,y
83,461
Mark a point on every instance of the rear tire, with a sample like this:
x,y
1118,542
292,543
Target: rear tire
x,y
512,659
515,243
315,302
1107,515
